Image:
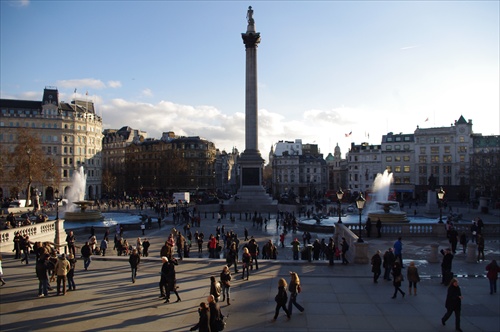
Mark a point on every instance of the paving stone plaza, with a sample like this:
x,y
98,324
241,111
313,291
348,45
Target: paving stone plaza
x,y
342,297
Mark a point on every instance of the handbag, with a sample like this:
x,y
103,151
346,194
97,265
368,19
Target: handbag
x,y
220,324
299,289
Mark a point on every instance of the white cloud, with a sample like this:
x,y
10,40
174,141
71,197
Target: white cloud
x,y
409,47
325,127
147,93
114,84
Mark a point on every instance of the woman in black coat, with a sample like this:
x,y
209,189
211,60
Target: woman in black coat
x,y
204,322
453,303
397,279
281,298
376,263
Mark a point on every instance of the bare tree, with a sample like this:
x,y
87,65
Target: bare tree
x,y
28,160
108,181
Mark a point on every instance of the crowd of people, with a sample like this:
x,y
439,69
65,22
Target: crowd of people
x,y
242,255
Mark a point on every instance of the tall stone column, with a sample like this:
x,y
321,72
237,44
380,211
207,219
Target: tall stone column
x,y
251,195
251,161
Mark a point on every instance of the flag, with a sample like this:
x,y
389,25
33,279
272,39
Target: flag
x,y
87,93
427,119
347,135
75,91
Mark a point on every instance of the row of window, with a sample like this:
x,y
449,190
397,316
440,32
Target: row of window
x,y
397,158
437,140
398,139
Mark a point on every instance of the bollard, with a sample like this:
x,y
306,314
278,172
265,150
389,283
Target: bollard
x,y
433,256
471,253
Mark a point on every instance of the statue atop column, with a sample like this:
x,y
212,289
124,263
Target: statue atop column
x,y
250,16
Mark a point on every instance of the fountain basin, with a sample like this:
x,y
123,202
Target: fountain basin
x,y
83,216
391,217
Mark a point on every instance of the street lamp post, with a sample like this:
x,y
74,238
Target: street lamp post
x,y
56,196
360,202
340,194
441,193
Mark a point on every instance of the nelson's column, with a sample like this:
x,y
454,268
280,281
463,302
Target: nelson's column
x,y
252,195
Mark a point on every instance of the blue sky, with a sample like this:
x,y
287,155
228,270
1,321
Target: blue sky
x,y
325,68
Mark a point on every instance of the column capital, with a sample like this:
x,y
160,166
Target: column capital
x,y
251,39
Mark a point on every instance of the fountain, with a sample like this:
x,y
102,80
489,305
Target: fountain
x,y
382,208
76,200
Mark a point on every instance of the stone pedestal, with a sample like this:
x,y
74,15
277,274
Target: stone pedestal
x,y
60,236
433,255
361,254
431,207
483,204
471,253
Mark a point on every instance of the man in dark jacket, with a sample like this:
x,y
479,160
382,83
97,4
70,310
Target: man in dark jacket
x,y
253,249
446,266
41,274
389,260
215,313
86,253
134,261
376,262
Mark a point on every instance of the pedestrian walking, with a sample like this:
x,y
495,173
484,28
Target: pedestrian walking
x,y
295,248
232,256
145,247
171,280
345,247
398,251
330,251
281,298
253,249
104,246
215,288
413,278
71,273
492,275
246,259
376,262
203,324
453,304
225,281
446,266
134,261
86,255
294,288
26,248
41,269
61,269
368,227
70,240
397,279
378,225
215,315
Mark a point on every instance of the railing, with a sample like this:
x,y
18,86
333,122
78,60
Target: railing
x,y
42,232
425,229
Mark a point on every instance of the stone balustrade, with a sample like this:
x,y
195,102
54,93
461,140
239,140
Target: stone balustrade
x,y
50,231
